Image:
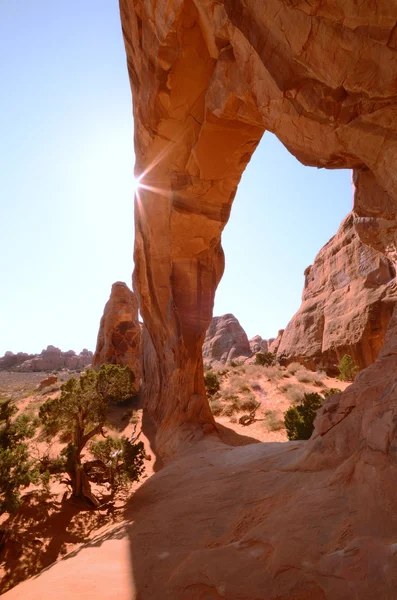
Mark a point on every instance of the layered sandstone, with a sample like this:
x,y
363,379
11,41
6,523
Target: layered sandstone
x,y
208,78
50,359
225,341
119,336
347,302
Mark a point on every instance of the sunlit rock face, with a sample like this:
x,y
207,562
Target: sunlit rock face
x,y
258,344
119,336
225,341
208,78
348,299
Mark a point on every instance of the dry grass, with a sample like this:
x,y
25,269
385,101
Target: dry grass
x,y
305,376
273,421
293,368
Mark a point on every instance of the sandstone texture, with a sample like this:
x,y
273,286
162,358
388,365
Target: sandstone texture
x,y
225,341
208,79
347,302
257,344
119,336
50,359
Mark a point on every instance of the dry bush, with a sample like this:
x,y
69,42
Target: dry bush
x,y
233,419
249,404
272,373
305,376
244,389
216,407
293,368
233,407
294,393
273,421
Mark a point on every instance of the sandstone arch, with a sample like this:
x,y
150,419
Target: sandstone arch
x,y
208,79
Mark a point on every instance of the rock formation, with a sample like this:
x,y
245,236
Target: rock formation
x,y
11,360
50,359
257,344
208,79
119,336
348,299
225,341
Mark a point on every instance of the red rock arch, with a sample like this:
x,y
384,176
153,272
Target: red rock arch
x,y
208,79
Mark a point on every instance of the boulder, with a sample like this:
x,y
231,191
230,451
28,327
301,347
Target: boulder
x,y
225,341
349,295
47,382
119,336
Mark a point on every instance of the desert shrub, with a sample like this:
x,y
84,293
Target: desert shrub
x,y
233,419
211,383
265,359
249,404
17,469
234,364
80,413
122,460
233,406
244,389
304,376
347,368
134,417
331,392
223,373
273,421
216,407
272,373
293,367
116,384
299,419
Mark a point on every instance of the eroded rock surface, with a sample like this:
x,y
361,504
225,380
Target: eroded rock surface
x,y
258,344
119,336
347,302
225,341
208,78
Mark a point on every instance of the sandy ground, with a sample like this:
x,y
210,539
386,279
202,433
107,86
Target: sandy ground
x,y
51,526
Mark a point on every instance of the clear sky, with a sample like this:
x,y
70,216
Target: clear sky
x,y
66,155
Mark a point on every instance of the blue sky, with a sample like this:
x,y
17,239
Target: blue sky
x,y
66,151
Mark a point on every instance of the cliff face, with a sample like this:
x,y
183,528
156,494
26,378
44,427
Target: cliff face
x,y
225,341
208,78
119,336
347,302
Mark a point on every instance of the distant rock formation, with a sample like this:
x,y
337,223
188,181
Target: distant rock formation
x,y
50,359
225,341
11,360
119,337
258,344
347,302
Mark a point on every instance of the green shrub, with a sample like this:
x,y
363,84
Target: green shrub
x,y
347,368
17,470
211,383
299,419
265,359
116,384
123,461
331,392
